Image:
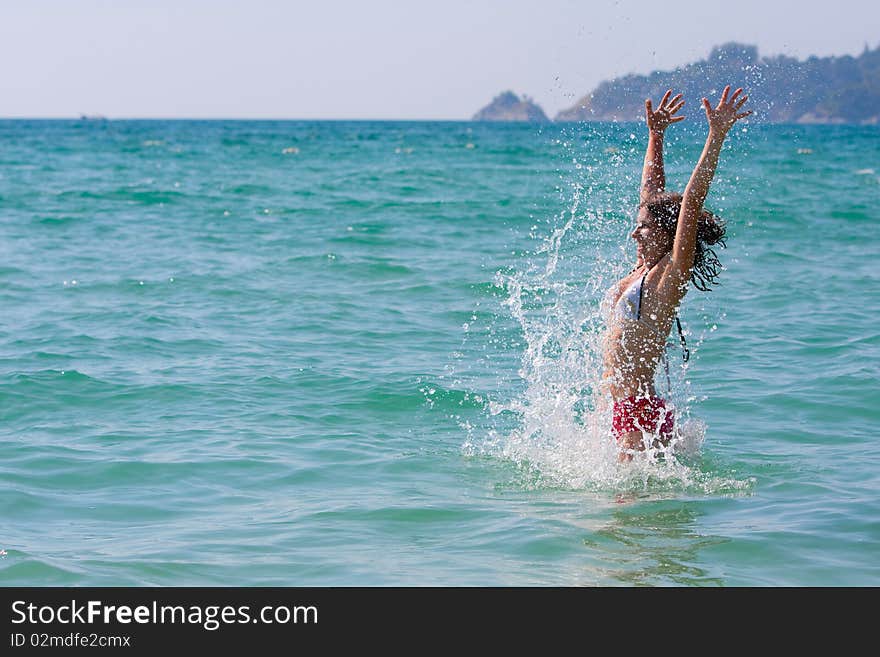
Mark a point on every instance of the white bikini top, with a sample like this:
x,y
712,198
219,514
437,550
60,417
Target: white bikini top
x,y
629,306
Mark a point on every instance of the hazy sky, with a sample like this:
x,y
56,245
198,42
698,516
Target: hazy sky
x,y
375,58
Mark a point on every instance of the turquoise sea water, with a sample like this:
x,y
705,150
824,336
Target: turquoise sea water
x,y
329,353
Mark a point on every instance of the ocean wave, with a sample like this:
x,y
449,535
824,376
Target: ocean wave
x,y
22,567
145,197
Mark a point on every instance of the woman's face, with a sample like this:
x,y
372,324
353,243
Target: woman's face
x,y
652,242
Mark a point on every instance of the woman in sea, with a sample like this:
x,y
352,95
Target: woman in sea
x,y
673,235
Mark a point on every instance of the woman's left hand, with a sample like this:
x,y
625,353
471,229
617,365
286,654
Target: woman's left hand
x,y
726,113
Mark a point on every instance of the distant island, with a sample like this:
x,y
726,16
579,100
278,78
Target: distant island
x,y
782,89
507,106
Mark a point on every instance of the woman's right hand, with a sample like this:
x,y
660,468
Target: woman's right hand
x,y
664,116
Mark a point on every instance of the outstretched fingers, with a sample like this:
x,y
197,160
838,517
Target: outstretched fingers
x,y
673,110
664,114
670,103
722,117
737,115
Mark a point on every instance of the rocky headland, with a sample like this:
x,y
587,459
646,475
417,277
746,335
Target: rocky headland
x,y
507,106
781,89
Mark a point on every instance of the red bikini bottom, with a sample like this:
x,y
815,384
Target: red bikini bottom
x,y
646,414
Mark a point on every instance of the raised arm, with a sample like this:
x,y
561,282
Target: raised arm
x,y
721,119
653,175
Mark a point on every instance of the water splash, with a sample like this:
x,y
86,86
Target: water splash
x,y
555,426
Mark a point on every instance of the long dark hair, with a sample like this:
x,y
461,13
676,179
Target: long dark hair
x,y
665,208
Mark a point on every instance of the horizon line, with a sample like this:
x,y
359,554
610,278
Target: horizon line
x,y
108,119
